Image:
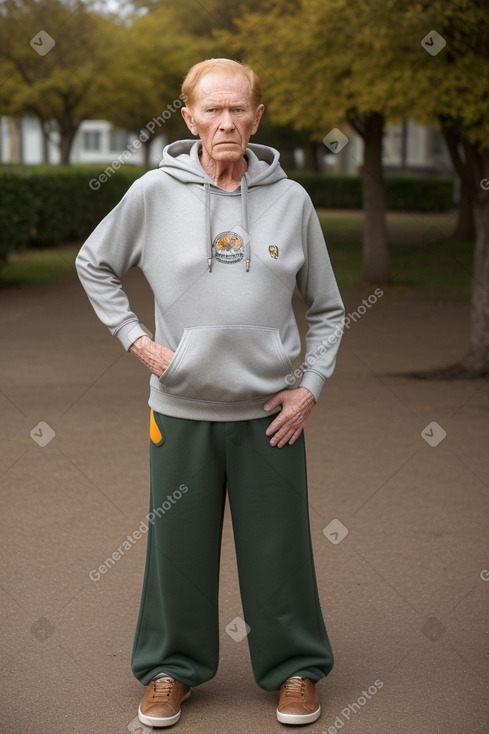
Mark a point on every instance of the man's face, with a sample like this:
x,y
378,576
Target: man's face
x,y
222,115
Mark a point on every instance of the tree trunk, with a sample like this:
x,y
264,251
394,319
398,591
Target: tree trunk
x,y
464,228
476,361
319,151
67,132
16,140
375,249
404,144
146,153
287,159
45,141
310,157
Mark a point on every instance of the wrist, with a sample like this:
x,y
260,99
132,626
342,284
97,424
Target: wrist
x,y
140,343
307,394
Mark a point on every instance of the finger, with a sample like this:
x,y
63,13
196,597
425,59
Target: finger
x,y
284,441
281,436
289,434
272,403
276,425
290,438
295,437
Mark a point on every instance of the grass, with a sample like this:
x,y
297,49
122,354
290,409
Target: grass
x,y
425,262
39,266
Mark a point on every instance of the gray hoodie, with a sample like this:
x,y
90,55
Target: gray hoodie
x,y
223,267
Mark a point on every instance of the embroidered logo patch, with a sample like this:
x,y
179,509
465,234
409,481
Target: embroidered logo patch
x,y
228,247
273,250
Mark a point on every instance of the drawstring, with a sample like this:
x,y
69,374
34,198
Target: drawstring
x,y
208,232
244,222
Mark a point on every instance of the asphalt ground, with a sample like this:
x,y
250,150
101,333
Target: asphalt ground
x,y
398,479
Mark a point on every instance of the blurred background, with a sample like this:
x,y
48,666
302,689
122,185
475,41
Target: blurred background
x,y
379,108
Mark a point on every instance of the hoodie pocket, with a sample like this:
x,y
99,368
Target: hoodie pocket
x,y
227,364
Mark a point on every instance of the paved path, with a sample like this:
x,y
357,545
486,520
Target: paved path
x,y
405,592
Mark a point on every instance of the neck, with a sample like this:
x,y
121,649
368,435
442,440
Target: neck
x,y
225,174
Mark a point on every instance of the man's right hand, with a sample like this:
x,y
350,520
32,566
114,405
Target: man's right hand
x,y
154,356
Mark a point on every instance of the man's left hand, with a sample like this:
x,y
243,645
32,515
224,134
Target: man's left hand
x,y
289,423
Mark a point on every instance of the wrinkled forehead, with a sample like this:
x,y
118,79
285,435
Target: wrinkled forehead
x,y
222,86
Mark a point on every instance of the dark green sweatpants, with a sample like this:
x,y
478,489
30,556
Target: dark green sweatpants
x,y
192,465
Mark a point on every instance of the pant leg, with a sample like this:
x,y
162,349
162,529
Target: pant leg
x,y
177,630
268,498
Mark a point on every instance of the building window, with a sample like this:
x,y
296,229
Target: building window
x,y
437,143
91,140
117,141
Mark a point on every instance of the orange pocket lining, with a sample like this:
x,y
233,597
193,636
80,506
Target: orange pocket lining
x,y
154,432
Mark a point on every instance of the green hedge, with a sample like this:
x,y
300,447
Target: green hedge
x,y
403,193
42,206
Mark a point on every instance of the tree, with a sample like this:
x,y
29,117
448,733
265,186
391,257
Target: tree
x,y
334,65
465,227
201,19
58,85
454,86
152,53
163,39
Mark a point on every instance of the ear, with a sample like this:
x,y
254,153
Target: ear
x,y
258,115
189,120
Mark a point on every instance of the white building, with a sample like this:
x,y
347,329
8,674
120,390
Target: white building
x,y
407,147
96,142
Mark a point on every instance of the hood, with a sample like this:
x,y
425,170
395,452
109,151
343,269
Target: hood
x,y
181,160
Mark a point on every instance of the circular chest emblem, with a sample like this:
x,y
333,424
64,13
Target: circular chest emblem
x,y
228,247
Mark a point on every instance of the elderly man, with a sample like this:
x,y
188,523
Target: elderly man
x,y
223,237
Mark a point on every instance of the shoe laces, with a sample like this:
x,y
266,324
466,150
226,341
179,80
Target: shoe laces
x,y
163,687
294,686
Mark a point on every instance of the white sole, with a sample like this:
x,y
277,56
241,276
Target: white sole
x,y
161,721
298,719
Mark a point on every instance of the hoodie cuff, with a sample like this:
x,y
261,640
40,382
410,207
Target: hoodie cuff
x,y
131,331
313,382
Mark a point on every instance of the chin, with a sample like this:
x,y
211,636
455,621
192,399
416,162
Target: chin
x,y
224,153
226,158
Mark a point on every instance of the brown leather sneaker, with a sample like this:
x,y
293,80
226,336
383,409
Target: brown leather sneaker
x,y
160,705
299,702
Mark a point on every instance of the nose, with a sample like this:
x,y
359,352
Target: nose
x,y
226,122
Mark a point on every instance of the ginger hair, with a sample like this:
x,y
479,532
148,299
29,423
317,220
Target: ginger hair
x,y
199,70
